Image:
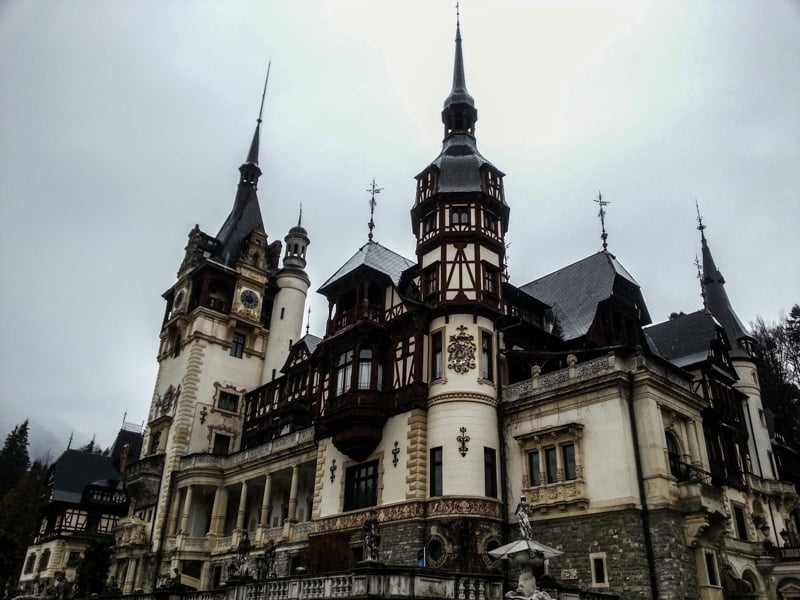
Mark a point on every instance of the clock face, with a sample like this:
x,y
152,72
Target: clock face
x,y
249,298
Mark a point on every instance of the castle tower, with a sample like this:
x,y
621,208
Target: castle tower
x,y
742,356
213,347
289,302
460,218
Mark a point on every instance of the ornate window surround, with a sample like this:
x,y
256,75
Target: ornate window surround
x,y
561,492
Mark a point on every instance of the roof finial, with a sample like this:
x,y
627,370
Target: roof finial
x,y
699,266
458,22
700,226
602,215
264,93
300,216
308,321
372,189
69,443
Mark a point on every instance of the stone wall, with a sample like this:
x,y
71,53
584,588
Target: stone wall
x,y
620,535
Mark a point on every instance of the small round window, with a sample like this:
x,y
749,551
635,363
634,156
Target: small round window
x,y
436,551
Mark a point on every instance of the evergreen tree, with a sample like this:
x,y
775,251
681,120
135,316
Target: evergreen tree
x,y
14,459
19,510
779,372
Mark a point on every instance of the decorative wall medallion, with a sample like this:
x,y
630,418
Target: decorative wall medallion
x,y
463,439
333,470
461,351
249,298
395,452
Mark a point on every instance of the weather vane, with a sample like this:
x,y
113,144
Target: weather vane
x,y
308,322
458,15
372,189
602,215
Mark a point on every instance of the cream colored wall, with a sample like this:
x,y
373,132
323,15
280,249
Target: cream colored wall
x,y
292,300
759,442
605,448
462,400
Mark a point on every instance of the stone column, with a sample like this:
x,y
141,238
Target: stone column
x,y
242,507
129,576
172,519
694,448
293,495
187,505
264,517
218,510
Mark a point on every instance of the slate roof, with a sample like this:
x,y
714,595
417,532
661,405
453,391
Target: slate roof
x,y
461,165
717,302
311,342
375,257
76,469
686,339
574,292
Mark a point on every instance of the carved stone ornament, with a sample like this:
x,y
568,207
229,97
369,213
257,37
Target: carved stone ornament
x,y
461,351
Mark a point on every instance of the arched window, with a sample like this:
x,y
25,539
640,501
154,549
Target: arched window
x,y
679,469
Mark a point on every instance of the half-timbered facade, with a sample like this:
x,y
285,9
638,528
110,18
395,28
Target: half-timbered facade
x,y
438,396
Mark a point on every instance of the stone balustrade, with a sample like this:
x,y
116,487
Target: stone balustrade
x,y
250,455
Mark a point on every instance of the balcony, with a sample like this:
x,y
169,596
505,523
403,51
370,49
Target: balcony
x,y
143,479
292,440
787,554
350,317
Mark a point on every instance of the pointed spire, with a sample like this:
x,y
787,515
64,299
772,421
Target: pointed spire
x,y
245,216
459,114
252,155
716,298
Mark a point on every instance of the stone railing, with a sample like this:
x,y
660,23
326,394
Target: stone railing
x,y
224,543
578,371
252,454
787,553
149,465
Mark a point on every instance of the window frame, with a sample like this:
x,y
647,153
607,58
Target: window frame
x,y
437,355
487,355
489,472
368,473
534,475
436,478
224,396
599,575
343,373
238,343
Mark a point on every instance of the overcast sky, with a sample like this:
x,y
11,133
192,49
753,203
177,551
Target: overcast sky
x,y
122,124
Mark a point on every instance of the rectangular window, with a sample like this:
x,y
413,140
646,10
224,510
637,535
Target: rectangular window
x,y
598,565
344,372
365,369
490,472
176,345
237,346
487,357
568,457
534,469
432,280
489,279
222,444
436,471
436,356
228,401
711,568
361,486
551,464
740,524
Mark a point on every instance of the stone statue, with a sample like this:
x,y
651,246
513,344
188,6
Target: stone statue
x,y
523,513
372,539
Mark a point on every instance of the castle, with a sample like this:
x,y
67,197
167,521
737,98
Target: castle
x,y
440,395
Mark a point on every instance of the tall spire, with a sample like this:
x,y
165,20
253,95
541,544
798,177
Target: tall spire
x,y
459,114
245,216
716,298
